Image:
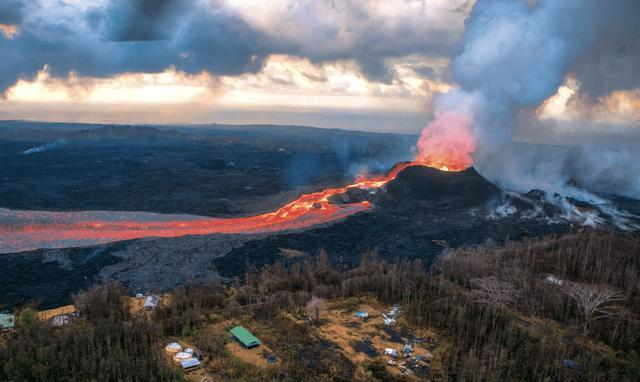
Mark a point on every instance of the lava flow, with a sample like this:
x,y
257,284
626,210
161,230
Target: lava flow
x,y
29,230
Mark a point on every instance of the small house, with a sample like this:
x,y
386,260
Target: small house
x,y
391,352
245,337
407,349
190,364
571,364
553,280
362,314
60,320
7,322
151,302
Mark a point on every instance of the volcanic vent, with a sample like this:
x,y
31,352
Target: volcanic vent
x,y
459,188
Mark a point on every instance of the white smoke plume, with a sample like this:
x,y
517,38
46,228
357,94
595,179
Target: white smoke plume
x,y
513,56
45,147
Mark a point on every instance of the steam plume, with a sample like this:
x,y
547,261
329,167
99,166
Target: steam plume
x,y
44,147
513,56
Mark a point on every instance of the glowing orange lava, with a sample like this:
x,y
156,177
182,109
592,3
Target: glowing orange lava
x,y
28,230
447,142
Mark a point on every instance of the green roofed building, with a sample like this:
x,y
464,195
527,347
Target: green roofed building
x,y
7,322
245,337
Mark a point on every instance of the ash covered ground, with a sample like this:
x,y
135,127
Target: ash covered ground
x,y
212,170
230,171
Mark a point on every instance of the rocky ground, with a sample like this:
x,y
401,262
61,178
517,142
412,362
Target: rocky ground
x,y
419,215
209,171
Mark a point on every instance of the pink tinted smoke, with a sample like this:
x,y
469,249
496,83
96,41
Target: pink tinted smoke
x,y
447,142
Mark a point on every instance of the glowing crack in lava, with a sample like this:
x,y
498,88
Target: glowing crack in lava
x,y
447,142
29,230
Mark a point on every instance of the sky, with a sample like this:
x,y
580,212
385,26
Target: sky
x,y
356,64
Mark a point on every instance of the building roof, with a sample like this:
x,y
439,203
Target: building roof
x,y
190,363
245,336
362,314
60,320
151,302
7,321
50,313
391,351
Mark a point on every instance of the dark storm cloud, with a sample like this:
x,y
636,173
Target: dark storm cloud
x,y
133,36
195,36
614,62
425,70
144,20
11,12
221,44
374,42
376,69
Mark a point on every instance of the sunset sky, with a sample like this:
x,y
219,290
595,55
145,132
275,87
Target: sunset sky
x,y
368,65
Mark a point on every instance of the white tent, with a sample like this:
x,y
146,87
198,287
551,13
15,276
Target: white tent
x,y
173,348
151,302
60,320
181,356
391,352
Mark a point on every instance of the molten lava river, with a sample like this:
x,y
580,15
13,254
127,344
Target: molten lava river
x,y
29,230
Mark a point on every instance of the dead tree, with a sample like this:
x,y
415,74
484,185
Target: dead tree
x,y
594,302
493,292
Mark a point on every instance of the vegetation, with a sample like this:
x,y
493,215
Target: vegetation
x,y
104,347
512,312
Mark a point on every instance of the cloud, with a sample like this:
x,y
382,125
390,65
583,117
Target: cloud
x,y
11,12
142,20
108,37
117,36
514,55
614,62
369,32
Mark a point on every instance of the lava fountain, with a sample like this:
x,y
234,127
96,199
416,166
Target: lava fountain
x,y
447,142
